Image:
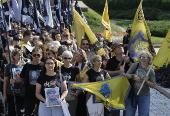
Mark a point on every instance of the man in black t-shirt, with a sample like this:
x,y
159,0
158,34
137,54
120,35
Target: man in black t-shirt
x,y
29,75
115,65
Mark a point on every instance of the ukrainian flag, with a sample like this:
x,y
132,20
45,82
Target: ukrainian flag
x,y
140,39
112,92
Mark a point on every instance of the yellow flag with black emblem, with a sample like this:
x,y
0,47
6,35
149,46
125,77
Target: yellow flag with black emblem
x,y
88,31
162,57
2,1
106,22
140,39
112,92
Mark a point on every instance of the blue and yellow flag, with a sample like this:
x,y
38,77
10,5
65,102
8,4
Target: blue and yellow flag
x,y
106,22
163,54
112,92
140,39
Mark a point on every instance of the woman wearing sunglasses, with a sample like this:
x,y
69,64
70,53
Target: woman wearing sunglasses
x,y
70,73
137,72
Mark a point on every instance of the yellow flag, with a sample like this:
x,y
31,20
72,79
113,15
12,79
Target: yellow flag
x,y
112,92
140,39
2,1
86,29
83,72
78,27
163,54
106,22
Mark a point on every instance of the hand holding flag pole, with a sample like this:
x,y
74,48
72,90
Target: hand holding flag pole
x,y
124,61
144,80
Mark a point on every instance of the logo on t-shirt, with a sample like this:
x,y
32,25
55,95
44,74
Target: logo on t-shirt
x,y
33,76
100,78
66,76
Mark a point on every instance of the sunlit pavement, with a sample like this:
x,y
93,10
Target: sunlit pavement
x,y
159,105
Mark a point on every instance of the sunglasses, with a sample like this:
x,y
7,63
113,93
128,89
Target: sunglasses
x,y
65,58
144,58
48,54
34,55
85,44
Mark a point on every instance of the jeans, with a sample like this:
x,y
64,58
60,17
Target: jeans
x,y
53,111
143,104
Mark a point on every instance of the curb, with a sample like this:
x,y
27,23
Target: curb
x,y
162,91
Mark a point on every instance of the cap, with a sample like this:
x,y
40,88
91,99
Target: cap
x,y
17,38
114,45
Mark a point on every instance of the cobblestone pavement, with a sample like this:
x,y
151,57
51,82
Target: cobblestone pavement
x,y
160,104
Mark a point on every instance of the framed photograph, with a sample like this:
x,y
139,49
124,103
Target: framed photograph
x,y
52,97
16,72
70,91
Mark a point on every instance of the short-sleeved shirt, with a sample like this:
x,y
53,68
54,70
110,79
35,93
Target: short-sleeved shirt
x,y
141,72
31,73
112,64
47,81
16,70
96,76
69,74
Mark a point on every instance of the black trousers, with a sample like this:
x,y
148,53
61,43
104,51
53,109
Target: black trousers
x,y
30,106
11,106
2,105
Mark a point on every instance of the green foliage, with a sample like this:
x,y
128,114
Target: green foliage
x,y
157,28
94,21
125,9
157,40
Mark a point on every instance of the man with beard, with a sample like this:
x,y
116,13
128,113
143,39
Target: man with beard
x,y
85,46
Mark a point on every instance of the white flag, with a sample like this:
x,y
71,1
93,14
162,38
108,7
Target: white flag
x,y
15,8
48,19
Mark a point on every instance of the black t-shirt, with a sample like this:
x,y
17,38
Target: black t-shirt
x,y
69,74
16,70
96,76
112,64
48,82
31,73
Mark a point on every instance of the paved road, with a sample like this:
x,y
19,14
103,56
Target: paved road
x,y
160,104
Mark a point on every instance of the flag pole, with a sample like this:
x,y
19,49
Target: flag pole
x,y
10,63
144,80
124,61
